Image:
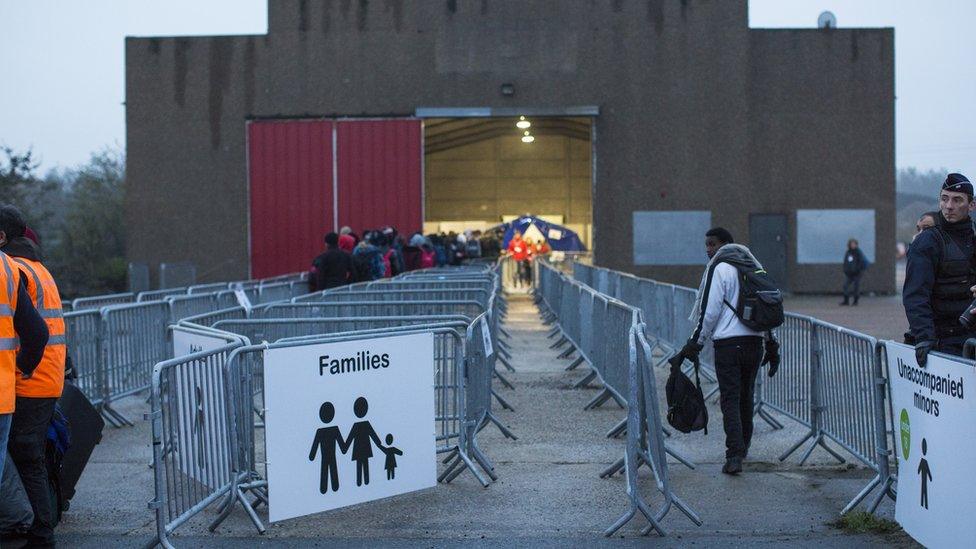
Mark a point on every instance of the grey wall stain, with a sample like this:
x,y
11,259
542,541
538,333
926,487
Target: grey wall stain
x,y
655,14
180,52
221,52
326,16
397,7
362,14
249,68
302,15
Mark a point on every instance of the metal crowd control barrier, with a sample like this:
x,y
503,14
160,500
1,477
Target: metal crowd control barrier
x,y
609,335
830,380
156,295
99,301
133,341
82,335
479,295
645,440
192,468
277,329
182,306
470,309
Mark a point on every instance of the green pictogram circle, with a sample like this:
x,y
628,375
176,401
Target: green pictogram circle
x,y
906,433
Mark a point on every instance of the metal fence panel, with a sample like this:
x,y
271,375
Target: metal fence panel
x,y
135,339
82,336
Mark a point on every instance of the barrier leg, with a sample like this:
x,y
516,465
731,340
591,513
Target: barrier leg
x,y
613,468
450,468
504,332
467,465
483,462
886,490
586,380
579,360
796,446
678,456
618,429
501,401
767,417
569,351
599,399
504,381
505,363
490,418
683,507
562,341
862,494
553,333
113,416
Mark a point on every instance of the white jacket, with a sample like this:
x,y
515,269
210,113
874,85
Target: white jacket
x,y
717,320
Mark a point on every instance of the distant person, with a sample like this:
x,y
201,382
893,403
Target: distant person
x,y
334,267
855,263
941,273
367,258
413,253
519,251
926,221
739,350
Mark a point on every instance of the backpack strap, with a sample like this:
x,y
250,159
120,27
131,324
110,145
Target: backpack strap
x,y
697,364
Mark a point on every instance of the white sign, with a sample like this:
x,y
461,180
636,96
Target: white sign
x,y
242,299
348,422
935,440
201,411
486,337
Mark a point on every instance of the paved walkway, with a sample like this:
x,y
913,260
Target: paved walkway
x,y
549,493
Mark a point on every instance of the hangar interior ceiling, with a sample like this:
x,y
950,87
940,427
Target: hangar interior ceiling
x,y
480,172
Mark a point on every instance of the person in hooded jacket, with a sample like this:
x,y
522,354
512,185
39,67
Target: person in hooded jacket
x,y
413,253
369,254
739,350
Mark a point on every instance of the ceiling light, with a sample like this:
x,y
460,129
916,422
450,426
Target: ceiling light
x,y
523,123
527,138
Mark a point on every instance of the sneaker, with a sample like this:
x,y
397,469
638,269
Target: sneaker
x,y
733,466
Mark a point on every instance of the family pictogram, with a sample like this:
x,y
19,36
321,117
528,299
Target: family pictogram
x,y
361,438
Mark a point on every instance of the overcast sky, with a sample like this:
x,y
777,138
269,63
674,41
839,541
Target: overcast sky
x,y
63,83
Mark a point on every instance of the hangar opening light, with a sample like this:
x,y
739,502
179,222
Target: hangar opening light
x,y
527,137
523,124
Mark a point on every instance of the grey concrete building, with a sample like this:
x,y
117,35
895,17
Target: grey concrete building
x,y
785,137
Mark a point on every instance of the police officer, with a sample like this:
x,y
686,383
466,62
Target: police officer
x,y
941,271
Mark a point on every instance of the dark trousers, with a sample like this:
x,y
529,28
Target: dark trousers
x,y
951,345
852,287
28,439
736,364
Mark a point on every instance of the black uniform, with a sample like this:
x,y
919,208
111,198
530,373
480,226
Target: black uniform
x,y
941,270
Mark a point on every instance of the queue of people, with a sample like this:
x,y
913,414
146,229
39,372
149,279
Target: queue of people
x,y
32,366
384,253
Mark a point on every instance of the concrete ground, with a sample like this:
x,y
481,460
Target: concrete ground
x,y
549,493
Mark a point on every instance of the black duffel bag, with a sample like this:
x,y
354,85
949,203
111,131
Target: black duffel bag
x,y
686,403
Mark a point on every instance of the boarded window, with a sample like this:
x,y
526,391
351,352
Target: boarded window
x,y
670,237
822,235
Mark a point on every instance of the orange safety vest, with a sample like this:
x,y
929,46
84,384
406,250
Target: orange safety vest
x,y
9,281
48,378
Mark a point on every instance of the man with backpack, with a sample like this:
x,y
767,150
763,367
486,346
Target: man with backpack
x,y
736,307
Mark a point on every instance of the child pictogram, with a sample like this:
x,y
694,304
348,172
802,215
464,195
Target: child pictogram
x,y
391,453
926,473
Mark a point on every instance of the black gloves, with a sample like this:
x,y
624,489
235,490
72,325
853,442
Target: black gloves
x,y
922,349
689,351
771,356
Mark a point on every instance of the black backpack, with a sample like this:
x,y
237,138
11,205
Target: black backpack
x,y
760,301
686,403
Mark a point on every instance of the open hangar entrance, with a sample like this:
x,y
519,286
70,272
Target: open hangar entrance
x,y
480,171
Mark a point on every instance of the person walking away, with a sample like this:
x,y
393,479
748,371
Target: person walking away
x,y
940,273
334,267
739,350
855,263
35,397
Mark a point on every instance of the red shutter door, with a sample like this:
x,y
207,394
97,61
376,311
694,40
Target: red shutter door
x,y
291,203
380,181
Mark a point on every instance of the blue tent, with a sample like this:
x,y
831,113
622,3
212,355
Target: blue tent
x,y
559,238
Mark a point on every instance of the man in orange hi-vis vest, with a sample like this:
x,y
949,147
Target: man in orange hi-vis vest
x,y
35,395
